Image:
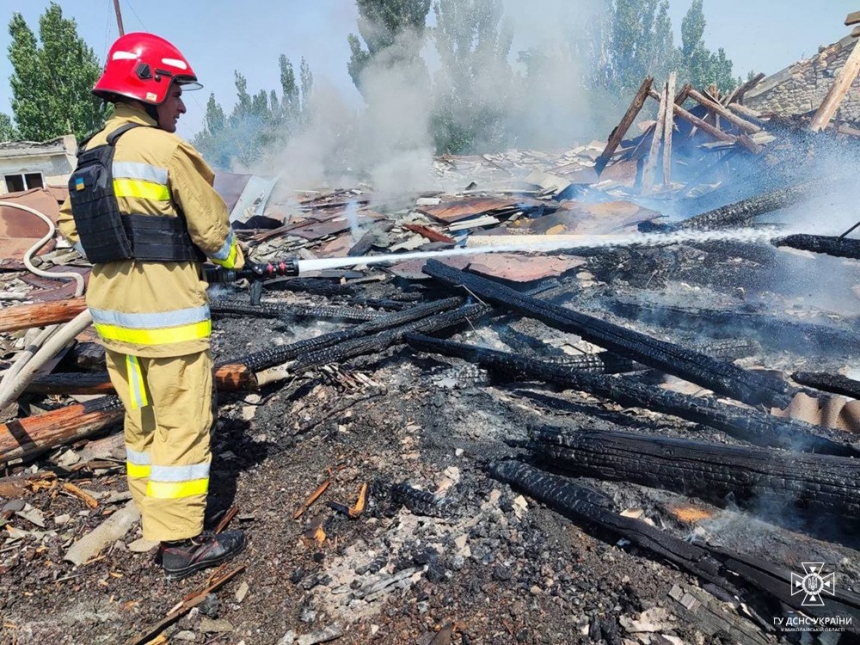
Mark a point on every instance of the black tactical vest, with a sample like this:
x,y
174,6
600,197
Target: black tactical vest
x,y
109,236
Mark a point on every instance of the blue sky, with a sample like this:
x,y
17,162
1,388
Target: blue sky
x,y
220,36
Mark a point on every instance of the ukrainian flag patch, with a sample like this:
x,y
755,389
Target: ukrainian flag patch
x,y
79,183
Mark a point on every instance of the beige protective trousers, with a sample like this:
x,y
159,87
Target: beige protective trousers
x,y
168,416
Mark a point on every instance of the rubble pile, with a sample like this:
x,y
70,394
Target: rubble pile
x,y
642,435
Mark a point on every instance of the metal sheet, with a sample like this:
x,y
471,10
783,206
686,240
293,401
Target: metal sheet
x,y
19,230
253,199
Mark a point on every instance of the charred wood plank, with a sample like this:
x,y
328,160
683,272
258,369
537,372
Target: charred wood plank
x,y
692,119
716,618
40,314
714,564
257,361
624,125
739,123
28,437
719,376
610,362
773,332
834,383
840,247
749,425
375,343
815,485
580,503
270,310
745,210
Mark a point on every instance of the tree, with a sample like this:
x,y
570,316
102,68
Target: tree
x,y
701,66
52,83
391,33
7,130
257,122
636,41
475,80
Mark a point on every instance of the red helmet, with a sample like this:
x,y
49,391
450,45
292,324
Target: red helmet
x,y
142,66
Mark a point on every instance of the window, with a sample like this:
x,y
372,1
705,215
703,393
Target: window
x,y
24,181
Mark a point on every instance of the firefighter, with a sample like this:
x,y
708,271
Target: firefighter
x,y
142,209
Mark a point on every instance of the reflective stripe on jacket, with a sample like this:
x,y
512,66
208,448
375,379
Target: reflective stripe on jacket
x,y
157,309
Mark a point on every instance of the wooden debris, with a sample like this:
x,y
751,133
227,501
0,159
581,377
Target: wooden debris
x,y
626,121
356,510
669,129
86,498
30,436
656,143
311,499
40,314
837,91
187,604
228,517
112,529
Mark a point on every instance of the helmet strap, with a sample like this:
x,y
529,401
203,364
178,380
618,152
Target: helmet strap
x,y
151,110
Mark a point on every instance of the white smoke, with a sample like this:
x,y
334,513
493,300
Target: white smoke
x,y
388,141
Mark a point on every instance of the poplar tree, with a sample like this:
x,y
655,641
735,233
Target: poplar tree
x,y
701,66
475,82
390,33
52,80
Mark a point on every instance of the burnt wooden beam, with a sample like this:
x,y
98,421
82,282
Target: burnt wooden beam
x,y
746,424
741,212
833,383
610,362
721,377
581,503
716,133
40,314
260,360
840,247
776,332
29,437
714,564
737,96
271,310
738,122
814,485
624,125
385,339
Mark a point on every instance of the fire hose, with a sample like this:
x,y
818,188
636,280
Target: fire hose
x,y
53,338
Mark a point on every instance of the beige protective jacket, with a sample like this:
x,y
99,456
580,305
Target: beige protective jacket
x,y
157,309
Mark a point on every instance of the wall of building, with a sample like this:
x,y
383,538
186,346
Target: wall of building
x,y
55,163
801,88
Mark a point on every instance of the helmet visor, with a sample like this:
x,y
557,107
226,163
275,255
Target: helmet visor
x,y
188,85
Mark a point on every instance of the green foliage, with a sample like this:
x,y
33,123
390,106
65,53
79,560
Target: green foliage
x,y
52,82
475,78
699,65
7,130
637,42
391,33
258,122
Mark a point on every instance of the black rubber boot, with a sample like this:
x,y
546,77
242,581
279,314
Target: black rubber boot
x,y
181,559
